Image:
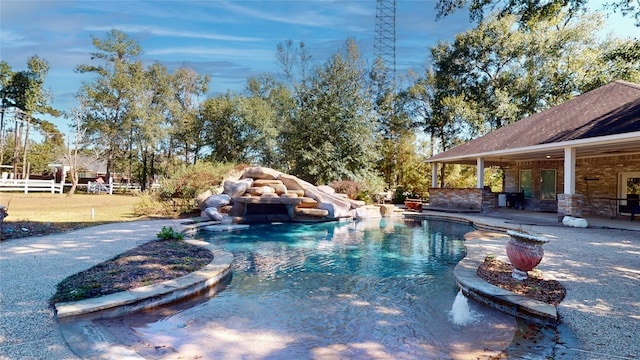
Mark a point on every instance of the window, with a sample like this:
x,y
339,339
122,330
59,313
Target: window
x,y
526,183
548,184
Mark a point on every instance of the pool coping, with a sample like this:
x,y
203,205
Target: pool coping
x,y
146,297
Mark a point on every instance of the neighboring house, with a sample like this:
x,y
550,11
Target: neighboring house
x,y
581,157
89,168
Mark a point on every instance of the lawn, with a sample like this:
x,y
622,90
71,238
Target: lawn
x,y
41,213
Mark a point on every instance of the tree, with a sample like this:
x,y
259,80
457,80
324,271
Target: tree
x,y
153,111
331,137
528,10
223,132
627,7
6,74
282,106
72,152
500,71
188,86
109,95
25,91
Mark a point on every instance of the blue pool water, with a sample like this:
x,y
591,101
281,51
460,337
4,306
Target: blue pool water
x,y
380,289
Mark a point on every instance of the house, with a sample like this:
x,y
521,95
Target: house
x,y
89,168
578,158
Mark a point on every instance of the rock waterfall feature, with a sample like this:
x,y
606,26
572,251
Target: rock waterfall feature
x,y
262,194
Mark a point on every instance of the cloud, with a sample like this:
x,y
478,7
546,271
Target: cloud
x,y
11,39
236,53
152,30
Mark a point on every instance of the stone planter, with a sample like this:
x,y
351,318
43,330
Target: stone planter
x,y
525,252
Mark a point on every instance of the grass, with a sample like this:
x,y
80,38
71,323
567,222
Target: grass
x,y
60,208
46,213
150,263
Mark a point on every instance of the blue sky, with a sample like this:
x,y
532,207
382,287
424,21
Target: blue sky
x,y
230,40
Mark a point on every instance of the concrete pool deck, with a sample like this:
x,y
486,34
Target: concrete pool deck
x,y
599,266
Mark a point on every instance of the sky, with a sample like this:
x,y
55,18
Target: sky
x,y
229,40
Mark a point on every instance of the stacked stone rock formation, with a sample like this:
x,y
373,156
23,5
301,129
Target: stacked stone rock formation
x,y
258,186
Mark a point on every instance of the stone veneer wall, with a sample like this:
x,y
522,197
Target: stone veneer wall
x,y
595,178
569,204
462,198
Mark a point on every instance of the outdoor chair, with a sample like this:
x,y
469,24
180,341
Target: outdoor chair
x,y
633,204
514,199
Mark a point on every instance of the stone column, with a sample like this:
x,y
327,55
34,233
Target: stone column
x,y
569,205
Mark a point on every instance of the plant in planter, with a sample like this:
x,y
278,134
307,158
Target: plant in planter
x,y
525,252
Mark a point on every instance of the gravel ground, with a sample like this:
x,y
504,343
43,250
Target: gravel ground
x,y
600,270
31,267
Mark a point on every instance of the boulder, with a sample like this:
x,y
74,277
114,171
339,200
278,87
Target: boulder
x,y
575,222
238,209
201,198
260,190
293,183
312,212
307,203
366,212
225,209
336,206
254,191
280,189
326,189
237,188
217,201
266,182
261,173
299,193
213,214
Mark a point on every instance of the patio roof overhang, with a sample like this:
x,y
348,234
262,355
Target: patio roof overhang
x,y
612,145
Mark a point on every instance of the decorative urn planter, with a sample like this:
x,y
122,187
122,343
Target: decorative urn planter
x,y
413,204
525,252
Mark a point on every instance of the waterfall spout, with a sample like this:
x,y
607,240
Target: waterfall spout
x,y
460,313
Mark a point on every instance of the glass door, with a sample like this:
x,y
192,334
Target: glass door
x,y
629,187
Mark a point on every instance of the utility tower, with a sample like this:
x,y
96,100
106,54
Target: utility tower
x,y
385,41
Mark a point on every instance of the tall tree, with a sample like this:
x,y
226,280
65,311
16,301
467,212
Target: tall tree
x,y
25,91
501,72
282,107
332,135
188,86
153,111
109,94
528,10
223,131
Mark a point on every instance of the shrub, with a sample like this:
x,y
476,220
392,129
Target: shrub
x,y
168,233
348,187
178,193
191,180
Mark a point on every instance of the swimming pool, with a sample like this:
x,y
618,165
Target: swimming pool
x,y
378,289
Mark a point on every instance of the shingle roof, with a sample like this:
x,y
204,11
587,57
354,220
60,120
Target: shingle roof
x,y
608,110
84,162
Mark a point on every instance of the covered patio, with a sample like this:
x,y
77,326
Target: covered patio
x,y
579,158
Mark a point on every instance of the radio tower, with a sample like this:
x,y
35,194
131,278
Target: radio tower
x,y
385,41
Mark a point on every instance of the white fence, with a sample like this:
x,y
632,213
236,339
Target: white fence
x,y
28,185
94,187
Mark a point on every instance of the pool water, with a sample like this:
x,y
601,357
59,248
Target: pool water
x,y
380,289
